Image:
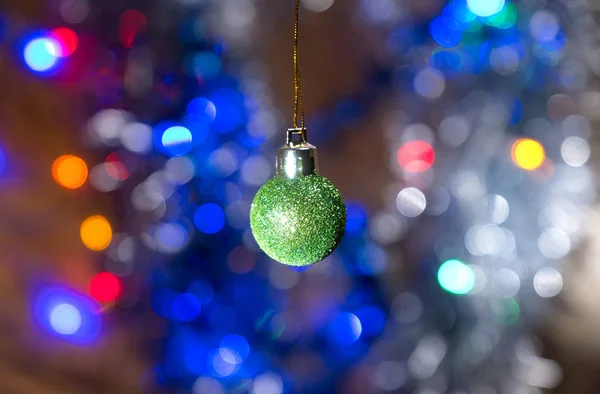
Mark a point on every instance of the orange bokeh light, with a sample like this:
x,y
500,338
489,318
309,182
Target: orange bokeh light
x,y
69,171
96,233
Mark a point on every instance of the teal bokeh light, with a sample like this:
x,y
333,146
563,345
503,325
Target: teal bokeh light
x,y
456,277
485,8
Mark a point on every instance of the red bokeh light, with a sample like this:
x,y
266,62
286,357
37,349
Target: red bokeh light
x,y
67,39
132,22
105,287
115,168
416,156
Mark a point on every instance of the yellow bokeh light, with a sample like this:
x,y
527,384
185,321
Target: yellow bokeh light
x,y
96,232
69,171
528,154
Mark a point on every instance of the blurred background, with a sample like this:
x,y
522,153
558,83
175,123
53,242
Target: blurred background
x,y
134,135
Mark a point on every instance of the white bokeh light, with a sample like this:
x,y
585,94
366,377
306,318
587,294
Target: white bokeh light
x,y
548,282
317,5
411,202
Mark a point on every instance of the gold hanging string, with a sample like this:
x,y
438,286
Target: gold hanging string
x,y
298,105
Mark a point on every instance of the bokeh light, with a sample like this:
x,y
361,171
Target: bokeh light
x,y
505,283
444,30
202,109
209,218
105,287
65,319
547,282
544,26
454,131
356,218
202,65
411,202
69,171
456,277
96,233
115,168
74,11
40,54
528,154
2,160
137,137
345,329
132,22
575,151
269,382
429,83
485,8
185,307
67,41
372,320
230,110
207,385
317,5
504,19
177,140
225,362
504,60
416,156
67,314
171,237
238,344
507,311
101,180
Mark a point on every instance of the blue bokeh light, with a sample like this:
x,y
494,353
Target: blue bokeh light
x,y
372,320
459,11
189,350
445,31
356,218
177,140
202,65
229,106
40,54
345,329
556,44
194,357
202,290
185,307
209,218
68,315
2,160
162,302
450,62
237,343
202,109
485,8
517,112
372,259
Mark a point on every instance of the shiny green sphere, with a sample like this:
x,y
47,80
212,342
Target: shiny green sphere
x,y
298,221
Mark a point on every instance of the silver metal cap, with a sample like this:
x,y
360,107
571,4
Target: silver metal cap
x,y
297,157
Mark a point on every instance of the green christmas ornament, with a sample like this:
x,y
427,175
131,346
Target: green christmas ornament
x,y
298,217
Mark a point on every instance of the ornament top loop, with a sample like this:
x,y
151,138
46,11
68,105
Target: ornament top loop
x,y
299,131
297,157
